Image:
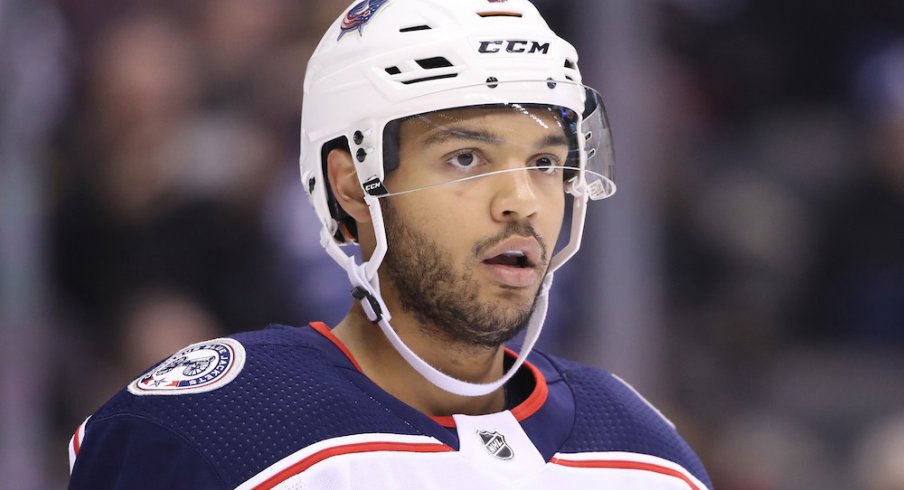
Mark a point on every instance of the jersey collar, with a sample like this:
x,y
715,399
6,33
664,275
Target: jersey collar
x,y
522,411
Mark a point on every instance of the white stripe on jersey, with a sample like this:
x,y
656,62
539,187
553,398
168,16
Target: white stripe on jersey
x,y
303,459
628,461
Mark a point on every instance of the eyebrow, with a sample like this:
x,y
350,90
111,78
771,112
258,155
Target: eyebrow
x,y
553,140
442,135
445,134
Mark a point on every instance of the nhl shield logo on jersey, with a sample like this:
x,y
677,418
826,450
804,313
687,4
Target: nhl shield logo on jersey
x,y
200,367
496,445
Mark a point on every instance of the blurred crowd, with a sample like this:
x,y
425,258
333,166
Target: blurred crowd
x,y
785,239
174,214
176,211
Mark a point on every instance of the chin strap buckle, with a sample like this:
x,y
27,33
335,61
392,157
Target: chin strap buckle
x,y
374,312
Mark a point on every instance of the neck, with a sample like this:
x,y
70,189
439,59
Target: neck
x,y
382,364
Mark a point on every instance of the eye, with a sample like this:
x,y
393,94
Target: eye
x,y
547,164
465,159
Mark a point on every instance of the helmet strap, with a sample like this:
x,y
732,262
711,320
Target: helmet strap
x,y
377,312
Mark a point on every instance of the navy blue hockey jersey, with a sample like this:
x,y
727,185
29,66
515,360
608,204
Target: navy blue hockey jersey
x,y
289,407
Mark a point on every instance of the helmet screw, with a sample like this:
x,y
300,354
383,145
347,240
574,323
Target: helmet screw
x,y
550,83
361,154
492,82
358,137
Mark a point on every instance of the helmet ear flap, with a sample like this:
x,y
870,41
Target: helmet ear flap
x,y
347,229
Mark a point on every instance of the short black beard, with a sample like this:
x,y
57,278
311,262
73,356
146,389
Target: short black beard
x,y
445,302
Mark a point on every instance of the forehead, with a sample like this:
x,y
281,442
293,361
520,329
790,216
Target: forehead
x,y
507,123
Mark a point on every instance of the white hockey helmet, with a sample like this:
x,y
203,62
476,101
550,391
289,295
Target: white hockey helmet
x,y
385,60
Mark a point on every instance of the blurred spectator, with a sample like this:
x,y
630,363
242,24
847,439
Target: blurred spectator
x,y
858,283
758,451
879,456
163,193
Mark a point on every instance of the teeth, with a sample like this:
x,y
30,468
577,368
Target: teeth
x,y
519,257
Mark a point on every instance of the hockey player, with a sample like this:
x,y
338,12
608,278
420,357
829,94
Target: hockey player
x,y
454,143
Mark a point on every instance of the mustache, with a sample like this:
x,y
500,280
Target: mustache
x,y
519,228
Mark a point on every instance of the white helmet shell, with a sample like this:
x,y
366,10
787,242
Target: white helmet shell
x,y
387,59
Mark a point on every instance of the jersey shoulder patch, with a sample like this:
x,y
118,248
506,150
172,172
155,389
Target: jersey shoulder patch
x,y
198,368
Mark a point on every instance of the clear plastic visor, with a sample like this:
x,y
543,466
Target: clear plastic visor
x,y
559,140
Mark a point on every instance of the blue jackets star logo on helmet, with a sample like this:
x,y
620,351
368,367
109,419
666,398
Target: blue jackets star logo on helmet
x,y
359,15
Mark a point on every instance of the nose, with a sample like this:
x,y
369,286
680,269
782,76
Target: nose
x,y
515,197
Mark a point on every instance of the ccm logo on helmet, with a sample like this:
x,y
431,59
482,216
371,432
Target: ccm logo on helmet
x,y
374,187
513,46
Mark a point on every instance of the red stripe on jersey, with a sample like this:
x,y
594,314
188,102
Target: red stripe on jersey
x,y
326,332
625,465
75,438
537,397
444,420
362,447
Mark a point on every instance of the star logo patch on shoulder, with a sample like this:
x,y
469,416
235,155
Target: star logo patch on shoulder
x,y
198,368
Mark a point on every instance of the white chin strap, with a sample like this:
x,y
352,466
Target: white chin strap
x,y
378,313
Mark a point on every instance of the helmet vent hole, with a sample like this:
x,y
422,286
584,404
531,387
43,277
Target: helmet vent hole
x,y
570,64
427,69
427,79
499,14
423,27
431,63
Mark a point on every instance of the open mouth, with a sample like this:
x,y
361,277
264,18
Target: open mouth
x,y
513,258
514,262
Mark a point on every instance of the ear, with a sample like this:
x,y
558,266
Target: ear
x,y
345,185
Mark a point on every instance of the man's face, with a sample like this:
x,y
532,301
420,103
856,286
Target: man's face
x,y
467,258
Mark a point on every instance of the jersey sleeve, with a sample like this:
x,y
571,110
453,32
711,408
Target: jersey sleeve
x,y
128,452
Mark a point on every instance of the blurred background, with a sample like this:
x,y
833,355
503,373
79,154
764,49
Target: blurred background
x,y
748,277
